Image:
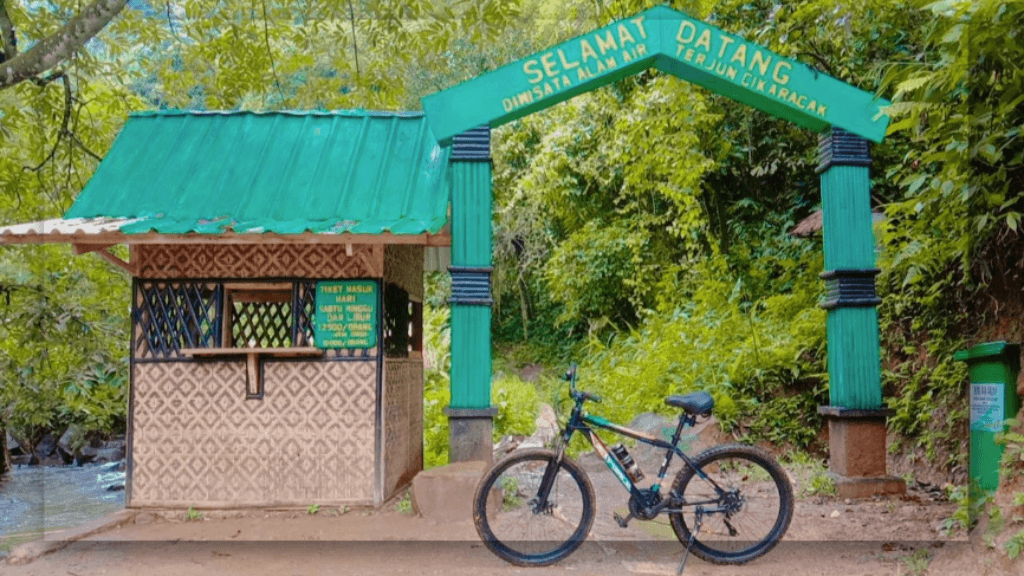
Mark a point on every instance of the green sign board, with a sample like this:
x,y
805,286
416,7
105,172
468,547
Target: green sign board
x,y
674,43
346,314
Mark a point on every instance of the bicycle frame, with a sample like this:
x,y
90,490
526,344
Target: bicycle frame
x,y
579,421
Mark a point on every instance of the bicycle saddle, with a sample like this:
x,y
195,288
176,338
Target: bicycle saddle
x,y
694,403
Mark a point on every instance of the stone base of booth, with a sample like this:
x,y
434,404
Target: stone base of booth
x,y
445,494
469,434
857,452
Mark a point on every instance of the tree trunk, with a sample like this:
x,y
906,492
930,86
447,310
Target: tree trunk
x,y
5,456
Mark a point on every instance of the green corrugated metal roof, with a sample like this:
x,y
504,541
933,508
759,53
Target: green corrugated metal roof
x,y
283,172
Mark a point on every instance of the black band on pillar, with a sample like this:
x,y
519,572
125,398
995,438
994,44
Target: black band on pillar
x,y
837,147
471,285
472,145
850,288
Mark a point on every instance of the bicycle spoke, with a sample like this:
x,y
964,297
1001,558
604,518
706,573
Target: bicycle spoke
x,y
746,517
514,524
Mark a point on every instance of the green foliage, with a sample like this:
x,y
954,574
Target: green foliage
x,y
1015,545
1011,465
193,515
958,100
98,400
510,498
970,502
404,504
62,343
436,385
917,561
312,509
812,472
758,355
517,407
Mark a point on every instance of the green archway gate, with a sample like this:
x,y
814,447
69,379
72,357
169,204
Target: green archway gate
x,y
846,117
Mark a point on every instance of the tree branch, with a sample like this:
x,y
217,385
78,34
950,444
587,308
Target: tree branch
x,y
74,138
355,44
51,51
170,22
270,52
63,125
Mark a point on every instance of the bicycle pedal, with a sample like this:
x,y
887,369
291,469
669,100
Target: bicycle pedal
x,y
623,522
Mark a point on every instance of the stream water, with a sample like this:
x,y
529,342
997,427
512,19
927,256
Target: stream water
x,y
40,499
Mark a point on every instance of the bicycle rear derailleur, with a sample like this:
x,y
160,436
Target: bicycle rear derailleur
x,y
647,507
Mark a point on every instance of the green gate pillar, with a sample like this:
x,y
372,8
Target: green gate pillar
x,y
470,413
857,447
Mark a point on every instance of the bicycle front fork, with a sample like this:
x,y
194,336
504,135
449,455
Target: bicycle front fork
x,y
548,481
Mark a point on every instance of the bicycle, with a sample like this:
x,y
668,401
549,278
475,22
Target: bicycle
x,y
728,505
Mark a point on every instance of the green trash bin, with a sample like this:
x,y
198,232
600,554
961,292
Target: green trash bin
x,y
993,368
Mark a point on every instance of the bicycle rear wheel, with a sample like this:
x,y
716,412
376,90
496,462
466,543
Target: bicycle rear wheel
x,y
743,522
515,526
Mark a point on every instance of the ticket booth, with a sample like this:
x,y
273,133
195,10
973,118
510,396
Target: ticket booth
x,y
277,270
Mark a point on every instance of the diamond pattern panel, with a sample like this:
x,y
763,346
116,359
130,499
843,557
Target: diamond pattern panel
x,y
262,324
403,422
260,261
197,441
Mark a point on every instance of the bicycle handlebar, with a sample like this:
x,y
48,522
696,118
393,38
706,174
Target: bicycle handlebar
x,y
570,376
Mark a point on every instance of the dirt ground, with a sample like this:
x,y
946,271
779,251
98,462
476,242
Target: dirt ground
x,y
890,536
866,538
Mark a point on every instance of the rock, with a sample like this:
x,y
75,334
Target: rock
x,y
120,443
47,446
85,454
704,435
547,424
13,446
70,442
547,429
653,424
22,460
835,514
105,455
65,456
71,439
531,442
506,445
115,488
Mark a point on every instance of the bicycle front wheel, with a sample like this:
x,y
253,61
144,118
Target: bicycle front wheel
x,y
746,517
519,528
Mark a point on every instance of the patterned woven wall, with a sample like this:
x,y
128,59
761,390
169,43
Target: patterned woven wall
x,y
403,266
403,422
196,440
260,260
